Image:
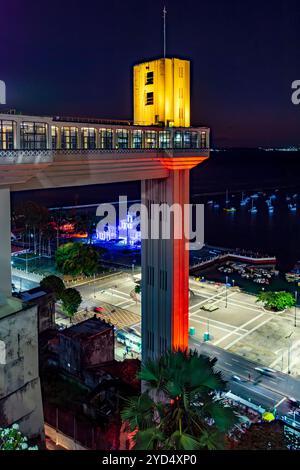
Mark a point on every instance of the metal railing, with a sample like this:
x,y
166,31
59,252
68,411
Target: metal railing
x,y
73,152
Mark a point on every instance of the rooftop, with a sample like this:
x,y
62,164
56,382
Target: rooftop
x,y
9,306
87,329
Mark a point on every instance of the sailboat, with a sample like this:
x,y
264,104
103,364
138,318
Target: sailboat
x,y
292,207
227,197
253,209
243,201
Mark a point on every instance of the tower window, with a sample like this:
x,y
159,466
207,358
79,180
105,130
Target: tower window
x,y
149,78
149,98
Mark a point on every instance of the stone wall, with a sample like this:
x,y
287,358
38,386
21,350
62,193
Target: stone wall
x,y
20,391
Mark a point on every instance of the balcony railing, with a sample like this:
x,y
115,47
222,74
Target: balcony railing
x,y
47,153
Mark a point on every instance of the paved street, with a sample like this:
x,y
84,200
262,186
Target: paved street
x,y
242,334
233,319
267,391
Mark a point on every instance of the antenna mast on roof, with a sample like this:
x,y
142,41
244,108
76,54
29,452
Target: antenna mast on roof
x,y
164,17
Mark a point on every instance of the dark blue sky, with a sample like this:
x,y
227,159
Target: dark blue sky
x,y
75,58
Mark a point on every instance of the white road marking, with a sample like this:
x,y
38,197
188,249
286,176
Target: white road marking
x,y
280,401
214,326
246,334
239,328
213,320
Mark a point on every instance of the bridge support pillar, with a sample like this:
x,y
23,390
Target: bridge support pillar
x,y
165,266
5,242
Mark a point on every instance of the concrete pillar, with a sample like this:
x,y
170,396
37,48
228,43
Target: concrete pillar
x,y
18,136
5,235
165,270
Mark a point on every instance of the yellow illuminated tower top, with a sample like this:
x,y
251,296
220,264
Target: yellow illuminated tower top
x,y
161,91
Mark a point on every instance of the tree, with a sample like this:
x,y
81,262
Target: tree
x,y
71,299
12,439
137,289
36,218
180,409
76,258
263,436
54,284
276,301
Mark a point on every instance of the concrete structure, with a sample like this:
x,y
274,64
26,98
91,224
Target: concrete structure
x,y
20,393
45,302
43,152
161,93
86,344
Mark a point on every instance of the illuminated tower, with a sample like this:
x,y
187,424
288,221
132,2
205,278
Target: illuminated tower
x,y
162,93
162,98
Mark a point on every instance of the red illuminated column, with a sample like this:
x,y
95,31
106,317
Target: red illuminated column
x,y
165,265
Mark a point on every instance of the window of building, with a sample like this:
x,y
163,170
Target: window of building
x,y
149,78
88,138
54,137
69,138
150,139
178,139
7,129
164,139
149,98
106,138
33,135
122,138
137,139
203,140
194,140
190,139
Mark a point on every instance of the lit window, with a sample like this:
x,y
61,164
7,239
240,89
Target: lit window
x,y
164,139
150,139
122,138
178,139
106,138
203,139
88,138
69,138
137,139
7,135
54,134
33,135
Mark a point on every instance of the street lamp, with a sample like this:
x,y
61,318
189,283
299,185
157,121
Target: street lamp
x,y
289,351
226,280
295,317
94,285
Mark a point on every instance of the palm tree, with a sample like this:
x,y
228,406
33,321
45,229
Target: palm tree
x,y
180,408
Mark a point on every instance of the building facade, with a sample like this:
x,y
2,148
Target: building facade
x,y
20,391
89,343
161,93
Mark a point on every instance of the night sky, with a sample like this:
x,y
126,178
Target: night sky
x,y
75,58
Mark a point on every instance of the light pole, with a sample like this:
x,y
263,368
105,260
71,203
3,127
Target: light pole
x,y
295,317
289,352
94,285
226,280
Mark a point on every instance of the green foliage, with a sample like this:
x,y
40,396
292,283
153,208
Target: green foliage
x,y
12,439
54,284
76,258
137,289
276,301
34,215
180,409
71,299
